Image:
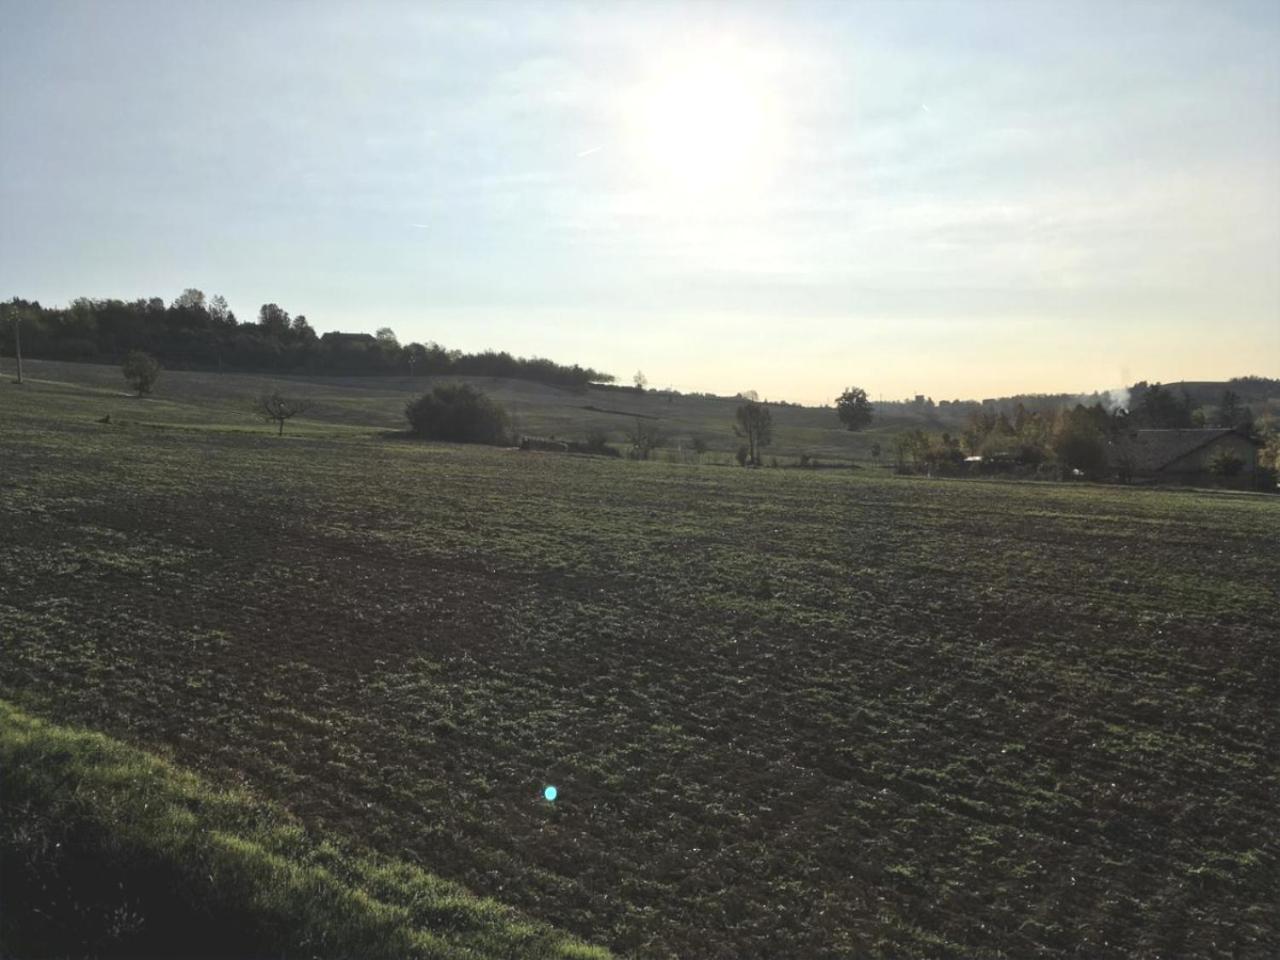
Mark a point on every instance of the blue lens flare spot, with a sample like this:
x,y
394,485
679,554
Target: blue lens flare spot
x,y
550,793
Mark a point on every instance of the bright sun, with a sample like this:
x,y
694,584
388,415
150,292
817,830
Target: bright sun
x,y
706,124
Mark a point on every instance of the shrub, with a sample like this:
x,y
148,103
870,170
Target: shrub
x,y
597,442
596,445
141,370
1226,465
743,455
459,413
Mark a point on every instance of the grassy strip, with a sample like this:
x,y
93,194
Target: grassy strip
x,y
106,849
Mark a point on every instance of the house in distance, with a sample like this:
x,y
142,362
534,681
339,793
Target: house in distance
x,y
1192,456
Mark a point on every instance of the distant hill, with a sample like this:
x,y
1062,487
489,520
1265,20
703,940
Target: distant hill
x,y
198,333
376,403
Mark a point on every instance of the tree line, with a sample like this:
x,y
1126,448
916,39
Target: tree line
x,y
203,333
1069,440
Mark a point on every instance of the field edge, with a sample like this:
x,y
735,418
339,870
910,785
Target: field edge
x,y
76,804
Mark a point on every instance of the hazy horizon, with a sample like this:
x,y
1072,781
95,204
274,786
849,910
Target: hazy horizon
x,y
957,200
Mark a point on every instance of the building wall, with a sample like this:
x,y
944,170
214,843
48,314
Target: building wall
x,y
1198,461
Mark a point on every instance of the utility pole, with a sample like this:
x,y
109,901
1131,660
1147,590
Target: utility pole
x,y
17,343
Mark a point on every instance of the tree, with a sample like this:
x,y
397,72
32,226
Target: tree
x,y
457,412
1079,441
1160,409
853,408
301,329
1229,410
189,299
386,338
220,312
640,380
141,370
754,423
911,450
278,408
13,311
274,320
644,437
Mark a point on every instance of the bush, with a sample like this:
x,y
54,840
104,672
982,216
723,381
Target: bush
x,y
141,370
459,413
1226,465
598,442
596,445
743,455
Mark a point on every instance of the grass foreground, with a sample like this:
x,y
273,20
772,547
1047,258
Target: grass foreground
x,y
108,850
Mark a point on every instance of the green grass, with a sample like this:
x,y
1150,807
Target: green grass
x,y
375,404
109,849
790,713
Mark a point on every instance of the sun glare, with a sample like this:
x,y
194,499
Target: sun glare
x,y
706,124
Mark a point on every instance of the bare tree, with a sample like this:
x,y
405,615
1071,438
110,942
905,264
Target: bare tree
x,y
754,423
644,439
275,407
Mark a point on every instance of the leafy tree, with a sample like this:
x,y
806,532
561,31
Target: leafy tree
x,y
301,329
220,311
1079,443
754,423
1158,408
386,338
911,450
274,320
457,412
141,370
1229,410
640,380
853,408
278,408
203,332
189,299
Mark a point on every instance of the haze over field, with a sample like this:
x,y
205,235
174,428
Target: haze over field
x,y
964,200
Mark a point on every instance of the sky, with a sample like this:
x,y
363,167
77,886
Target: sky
x,y
955,199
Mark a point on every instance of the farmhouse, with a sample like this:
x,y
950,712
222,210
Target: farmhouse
x,y
344,339
1184,456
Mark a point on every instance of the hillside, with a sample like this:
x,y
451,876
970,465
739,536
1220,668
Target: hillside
x,y
377,404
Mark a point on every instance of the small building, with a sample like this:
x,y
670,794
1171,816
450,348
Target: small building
x,y
1185,456
347,339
